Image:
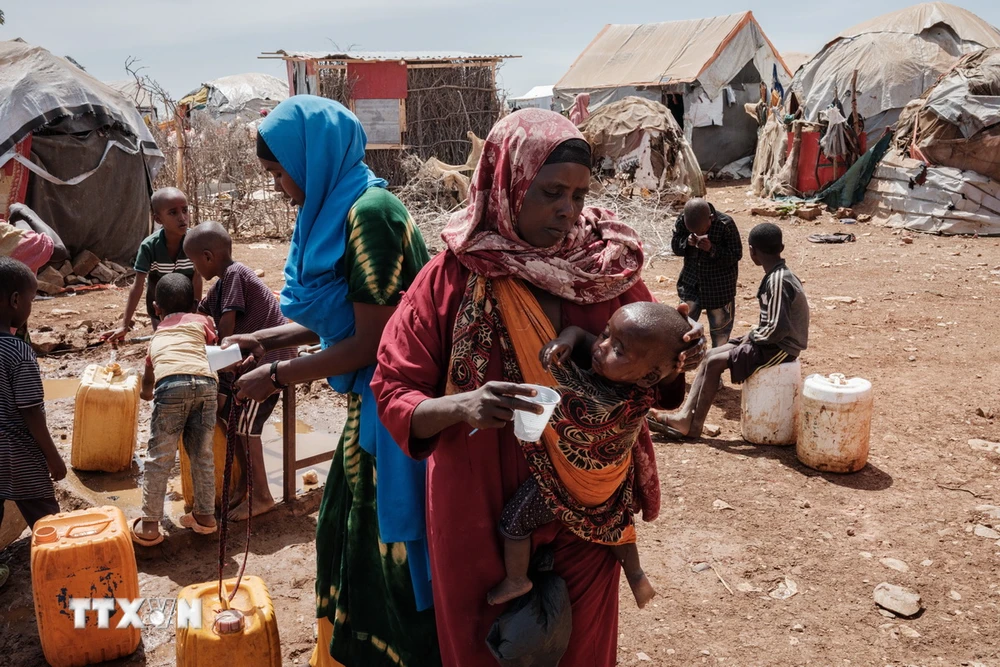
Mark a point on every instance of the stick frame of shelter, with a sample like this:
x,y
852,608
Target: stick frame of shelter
x,y
793,177
854,105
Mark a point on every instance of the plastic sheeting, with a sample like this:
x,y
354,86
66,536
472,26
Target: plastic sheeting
x,y
107,213
957,122
38,89
239,95
897,56
709,51
646,130
937,200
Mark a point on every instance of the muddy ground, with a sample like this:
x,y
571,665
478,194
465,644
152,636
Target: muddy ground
x,y
920,328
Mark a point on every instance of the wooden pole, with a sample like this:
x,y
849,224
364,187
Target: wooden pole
x,y
854,106
793,178
181,148
289,455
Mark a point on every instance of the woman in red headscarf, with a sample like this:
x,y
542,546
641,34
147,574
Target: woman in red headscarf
x,y
449,363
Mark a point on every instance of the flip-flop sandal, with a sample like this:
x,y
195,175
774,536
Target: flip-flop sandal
x,y
663,429
142,540
188,521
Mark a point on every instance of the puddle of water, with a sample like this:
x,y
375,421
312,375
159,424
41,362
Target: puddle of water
x,y
301,427
60,388
308,443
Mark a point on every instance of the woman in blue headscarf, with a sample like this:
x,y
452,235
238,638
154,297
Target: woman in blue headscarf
x,y
353,252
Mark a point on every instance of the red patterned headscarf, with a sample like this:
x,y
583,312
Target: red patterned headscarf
x,y
599,259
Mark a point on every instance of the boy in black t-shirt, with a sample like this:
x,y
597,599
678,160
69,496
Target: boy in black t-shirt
x,y
29,460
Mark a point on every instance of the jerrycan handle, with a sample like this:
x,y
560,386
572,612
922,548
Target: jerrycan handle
x,y
103,524
838,379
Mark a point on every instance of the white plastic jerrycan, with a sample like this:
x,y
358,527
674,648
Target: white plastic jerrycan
x,y
770,411
835,425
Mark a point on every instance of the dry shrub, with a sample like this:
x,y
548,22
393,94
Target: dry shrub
x,y
444,104
224,180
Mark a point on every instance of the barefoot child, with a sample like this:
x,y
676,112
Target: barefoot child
x,y
184,392
240,303
29,460
160,254
779,338
711,247
597,421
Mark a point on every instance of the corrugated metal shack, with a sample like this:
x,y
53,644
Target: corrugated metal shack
x,y
423,103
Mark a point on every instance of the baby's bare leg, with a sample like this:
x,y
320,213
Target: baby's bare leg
x,y
516,559
642,589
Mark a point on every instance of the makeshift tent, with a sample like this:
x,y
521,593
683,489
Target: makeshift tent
x,y
539,97
703,70
944,176
897,57
794,60
237,97
641,138
75,151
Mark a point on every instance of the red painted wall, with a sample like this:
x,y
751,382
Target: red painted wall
x,y
378,81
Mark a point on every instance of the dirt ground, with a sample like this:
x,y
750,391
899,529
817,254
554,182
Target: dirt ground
x,y
918,328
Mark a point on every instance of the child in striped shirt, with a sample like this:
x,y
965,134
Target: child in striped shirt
x,y
239,303
29,460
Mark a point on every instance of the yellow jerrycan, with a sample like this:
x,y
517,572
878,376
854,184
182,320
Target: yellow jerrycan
x,y
219,447
105,419
245,634
83,555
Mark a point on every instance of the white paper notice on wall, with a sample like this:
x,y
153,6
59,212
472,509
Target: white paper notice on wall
x,y
380,118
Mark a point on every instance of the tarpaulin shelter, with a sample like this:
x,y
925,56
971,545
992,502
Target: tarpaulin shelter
x,y
75,151
237,97
645,134
795,59
944,176
703,70
897,56
539,97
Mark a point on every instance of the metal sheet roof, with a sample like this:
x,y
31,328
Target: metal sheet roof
x,y
389,56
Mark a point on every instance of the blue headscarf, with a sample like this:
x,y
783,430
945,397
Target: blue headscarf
x,y
321,146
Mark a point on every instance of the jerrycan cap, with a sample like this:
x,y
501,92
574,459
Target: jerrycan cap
x,y
229,621
836,388
46,535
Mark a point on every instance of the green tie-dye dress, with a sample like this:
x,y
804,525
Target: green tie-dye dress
x,y
363,585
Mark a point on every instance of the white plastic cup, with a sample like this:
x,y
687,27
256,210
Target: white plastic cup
x,y
219,358
527,425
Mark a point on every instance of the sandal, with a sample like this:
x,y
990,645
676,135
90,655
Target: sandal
x,y
142,540
188,521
